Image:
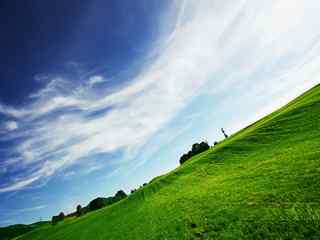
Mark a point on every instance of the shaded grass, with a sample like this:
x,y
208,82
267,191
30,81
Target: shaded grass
x,y
261,183
13,231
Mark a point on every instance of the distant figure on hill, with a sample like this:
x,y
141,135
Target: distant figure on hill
x,y
224,133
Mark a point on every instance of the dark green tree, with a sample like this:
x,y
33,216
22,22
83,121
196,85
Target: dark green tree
x,y
97,204
196,149
56,219
79,210
120,195
184,158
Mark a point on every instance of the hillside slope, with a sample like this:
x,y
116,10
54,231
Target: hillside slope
x,y
12,231
262,183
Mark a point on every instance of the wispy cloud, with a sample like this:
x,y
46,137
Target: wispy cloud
x,y
259,48
30,209
19,184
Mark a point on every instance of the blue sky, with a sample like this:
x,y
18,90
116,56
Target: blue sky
x,y
97,96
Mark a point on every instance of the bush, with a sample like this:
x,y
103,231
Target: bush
x,y
97,204
61,215
204,146
196,149
184,158
120,195
56,219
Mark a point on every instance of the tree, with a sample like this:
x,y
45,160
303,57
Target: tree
x,y
56,219
61,216
79,210
97,204
183,158
204,146
196,149
190,154
120,195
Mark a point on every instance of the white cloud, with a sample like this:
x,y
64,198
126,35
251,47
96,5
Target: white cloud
x,y
11,125
28,156
259,49
93,80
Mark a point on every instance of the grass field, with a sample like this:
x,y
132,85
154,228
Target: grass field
x,y
261,183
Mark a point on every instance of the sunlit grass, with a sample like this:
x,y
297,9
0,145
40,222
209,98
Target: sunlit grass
x,y
261,183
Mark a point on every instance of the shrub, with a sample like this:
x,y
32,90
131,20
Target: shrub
x,y
97,204
61,216
204,146
56,219
120,195
184,158
196,149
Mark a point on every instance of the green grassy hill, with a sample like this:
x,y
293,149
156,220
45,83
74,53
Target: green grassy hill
x,y
12,231
261,183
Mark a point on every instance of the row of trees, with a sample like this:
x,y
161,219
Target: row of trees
x,y
92,206
196,149
102,202
199,148
134,190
